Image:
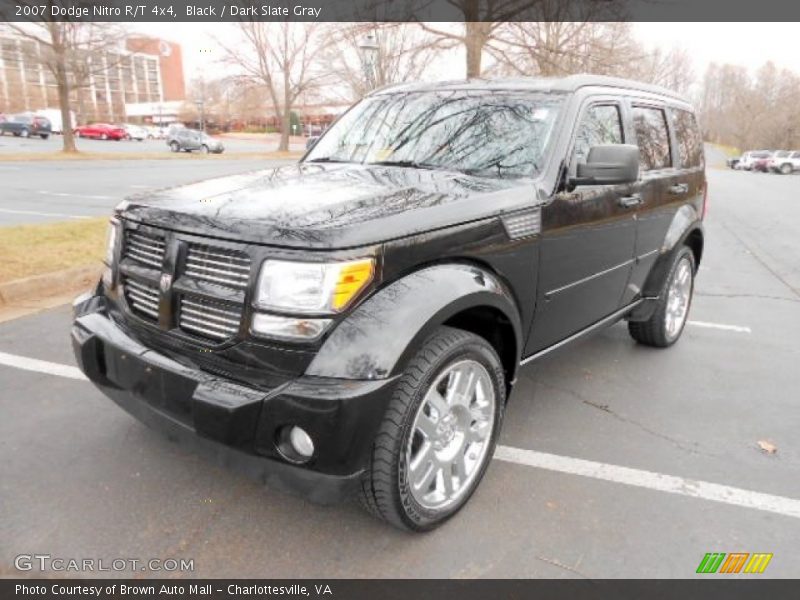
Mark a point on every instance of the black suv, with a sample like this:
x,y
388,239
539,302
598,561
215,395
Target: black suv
x,y
26,126
356,322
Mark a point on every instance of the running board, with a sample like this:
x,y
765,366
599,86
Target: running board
x,y
615,316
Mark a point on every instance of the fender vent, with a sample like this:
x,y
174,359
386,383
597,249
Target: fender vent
x,y
524,224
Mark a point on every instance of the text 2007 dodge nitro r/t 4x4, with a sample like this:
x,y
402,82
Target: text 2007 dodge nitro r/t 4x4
x,y
356,322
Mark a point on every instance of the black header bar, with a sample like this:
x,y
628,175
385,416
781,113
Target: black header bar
x,y
209,11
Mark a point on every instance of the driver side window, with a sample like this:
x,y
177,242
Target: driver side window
x,y
601,124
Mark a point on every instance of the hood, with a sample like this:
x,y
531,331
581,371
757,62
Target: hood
x,y
331,206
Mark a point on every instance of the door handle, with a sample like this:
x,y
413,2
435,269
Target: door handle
x,y
630,201
679,188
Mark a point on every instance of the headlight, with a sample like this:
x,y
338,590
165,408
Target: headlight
x,y
111,241
311,288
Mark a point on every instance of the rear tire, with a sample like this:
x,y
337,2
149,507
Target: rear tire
x,y
103,136
666,324
24,133
45,136
442,421
175,147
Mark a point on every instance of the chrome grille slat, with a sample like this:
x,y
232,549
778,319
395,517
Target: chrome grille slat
x,y
144,248
231,256
142,297
206,332
199,313
195,267
210,307
220,266
209,319
187,321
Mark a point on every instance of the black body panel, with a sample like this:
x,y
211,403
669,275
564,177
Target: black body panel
x,y
530,264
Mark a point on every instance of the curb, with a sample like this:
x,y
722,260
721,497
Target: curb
x,y
49,284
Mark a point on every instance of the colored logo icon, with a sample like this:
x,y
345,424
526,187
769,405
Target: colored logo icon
x,y
735,562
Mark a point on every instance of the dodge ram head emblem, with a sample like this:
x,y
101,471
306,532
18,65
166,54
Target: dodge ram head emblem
x,y
165,282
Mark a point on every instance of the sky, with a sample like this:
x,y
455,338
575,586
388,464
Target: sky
x,y
747,44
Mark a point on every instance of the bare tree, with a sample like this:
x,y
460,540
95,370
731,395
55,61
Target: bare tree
x,y
281,56
485,20
751,111
403,51
558,48
68,49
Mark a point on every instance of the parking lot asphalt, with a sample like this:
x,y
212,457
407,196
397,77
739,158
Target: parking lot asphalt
x,y
34,145
46,191
662,429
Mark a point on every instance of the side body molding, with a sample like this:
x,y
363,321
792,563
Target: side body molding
x,y
381,336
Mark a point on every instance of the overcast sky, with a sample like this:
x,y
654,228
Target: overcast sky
x,y
748,44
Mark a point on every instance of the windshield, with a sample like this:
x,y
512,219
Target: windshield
x,y
497,134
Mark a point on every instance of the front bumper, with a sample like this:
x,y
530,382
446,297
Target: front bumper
x,y
235,425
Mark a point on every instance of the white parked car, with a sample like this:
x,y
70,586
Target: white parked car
x,y
749,158
135,132
785,162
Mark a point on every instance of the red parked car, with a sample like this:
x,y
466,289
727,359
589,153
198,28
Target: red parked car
x,y
761,163
102,131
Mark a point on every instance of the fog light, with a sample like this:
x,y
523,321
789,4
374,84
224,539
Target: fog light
x,y
301,442
294,444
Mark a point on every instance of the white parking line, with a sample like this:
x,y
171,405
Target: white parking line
x,y
42,214
70,195
670,484
41,366
736,328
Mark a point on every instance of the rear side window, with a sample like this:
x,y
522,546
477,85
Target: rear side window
x,y
690,142
652,137
600,125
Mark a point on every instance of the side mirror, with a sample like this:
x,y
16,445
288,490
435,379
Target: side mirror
x,y
609,164
310,142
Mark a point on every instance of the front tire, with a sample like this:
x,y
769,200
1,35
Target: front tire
x,y
438,434
175,147
103,136
666,324
786,169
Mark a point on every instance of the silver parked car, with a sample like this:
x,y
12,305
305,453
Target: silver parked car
x,y
190,140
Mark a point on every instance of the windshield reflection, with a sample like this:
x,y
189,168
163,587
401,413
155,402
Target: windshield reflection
x,y
489,134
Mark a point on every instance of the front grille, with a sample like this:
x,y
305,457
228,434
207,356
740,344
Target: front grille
x,y
142,297
144,248
218,265
215,320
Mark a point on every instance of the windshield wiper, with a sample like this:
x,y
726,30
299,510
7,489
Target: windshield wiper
x,y
327,159
411,164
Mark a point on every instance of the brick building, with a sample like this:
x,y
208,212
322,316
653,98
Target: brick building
x,y
142,80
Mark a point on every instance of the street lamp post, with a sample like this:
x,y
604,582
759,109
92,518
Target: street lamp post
x,y
200,102
369,48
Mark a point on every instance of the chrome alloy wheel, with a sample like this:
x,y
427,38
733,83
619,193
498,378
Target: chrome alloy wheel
x,y
678,298
451,435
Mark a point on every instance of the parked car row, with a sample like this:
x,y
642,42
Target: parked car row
x,y
784,162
